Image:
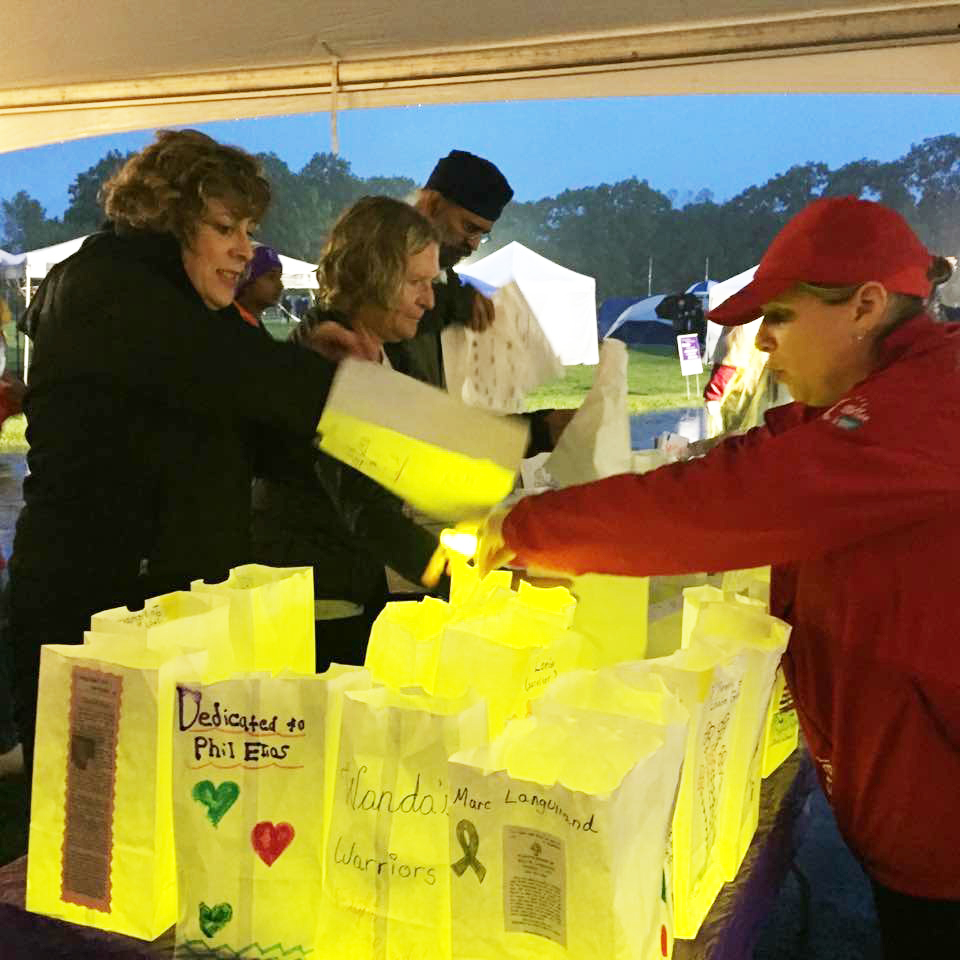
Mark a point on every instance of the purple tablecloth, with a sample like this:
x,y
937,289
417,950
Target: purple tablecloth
x,y
728,933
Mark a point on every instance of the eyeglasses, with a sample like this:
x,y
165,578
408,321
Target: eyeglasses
x,y
474,233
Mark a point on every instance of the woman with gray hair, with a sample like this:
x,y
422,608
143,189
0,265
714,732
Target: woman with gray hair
x,y
147,410
376,277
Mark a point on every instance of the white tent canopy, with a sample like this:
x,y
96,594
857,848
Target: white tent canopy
x,y
36,264
74,70
718,293
563,301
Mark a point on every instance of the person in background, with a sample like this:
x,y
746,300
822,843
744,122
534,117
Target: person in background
x,y
12,389
144,401
261,285
376,277
852,494
463,199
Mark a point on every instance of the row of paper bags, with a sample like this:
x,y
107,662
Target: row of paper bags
x,y
475,793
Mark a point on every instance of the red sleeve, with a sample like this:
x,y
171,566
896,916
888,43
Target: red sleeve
x,y
757,499
719,378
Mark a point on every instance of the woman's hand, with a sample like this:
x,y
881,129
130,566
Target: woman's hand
x,y
492,551
334,342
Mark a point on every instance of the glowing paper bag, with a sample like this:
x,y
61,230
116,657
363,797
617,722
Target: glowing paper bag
x,y
101,828
404,642
249,782
387,888
753,582
557,839
178,621
271,616
665,610
612,613
625,700
708,682
448,460
508,657
782,729
760,641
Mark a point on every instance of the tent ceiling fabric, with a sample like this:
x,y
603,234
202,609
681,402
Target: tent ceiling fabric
x,y
78,70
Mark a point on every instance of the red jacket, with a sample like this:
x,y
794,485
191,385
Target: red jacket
x,y
858,508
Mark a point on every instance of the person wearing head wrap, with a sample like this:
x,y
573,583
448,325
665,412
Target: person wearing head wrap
x,y
463,198
261,285
852,494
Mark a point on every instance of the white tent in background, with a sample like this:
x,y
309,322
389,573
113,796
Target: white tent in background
x,y
717,294
36,264
563,301
298,274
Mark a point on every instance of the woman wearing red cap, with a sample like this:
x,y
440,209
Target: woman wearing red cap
x,y
852,494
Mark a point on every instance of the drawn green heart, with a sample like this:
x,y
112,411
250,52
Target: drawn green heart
x,y
217,800
215,918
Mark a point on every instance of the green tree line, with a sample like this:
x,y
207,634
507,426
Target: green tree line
x,y
613,232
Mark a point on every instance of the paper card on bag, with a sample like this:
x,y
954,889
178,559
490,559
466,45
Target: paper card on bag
x,y
449,460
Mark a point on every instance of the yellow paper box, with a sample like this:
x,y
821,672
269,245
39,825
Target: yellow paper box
x,y
387,889
101,838
271,616
249,780
557,838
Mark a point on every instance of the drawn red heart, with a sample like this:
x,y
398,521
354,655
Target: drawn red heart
x,y
270,841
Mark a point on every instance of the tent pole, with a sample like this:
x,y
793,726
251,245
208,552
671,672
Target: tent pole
x,y
334,92
26,339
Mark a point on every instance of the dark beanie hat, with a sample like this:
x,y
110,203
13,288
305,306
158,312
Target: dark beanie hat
x,y
472,182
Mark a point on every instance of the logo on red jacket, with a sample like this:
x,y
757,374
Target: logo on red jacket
x,y
848,414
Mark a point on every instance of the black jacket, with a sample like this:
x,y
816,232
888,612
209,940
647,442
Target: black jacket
x,y
147,415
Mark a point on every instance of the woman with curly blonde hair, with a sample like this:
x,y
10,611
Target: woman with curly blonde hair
x,y
148,410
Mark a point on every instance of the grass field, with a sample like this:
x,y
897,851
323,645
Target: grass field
x,y
653,378
653,383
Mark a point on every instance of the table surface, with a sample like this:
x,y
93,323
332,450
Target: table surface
x,y
728,933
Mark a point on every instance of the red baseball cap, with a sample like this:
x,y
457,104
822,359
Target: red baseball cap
x,y
834,242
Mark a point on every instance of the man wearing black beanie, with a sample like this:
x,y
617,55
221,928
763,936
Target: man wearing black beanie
x,y
462,198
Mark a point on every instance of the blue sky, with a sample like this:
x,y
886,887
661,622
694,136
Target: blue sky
x,y
721,142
